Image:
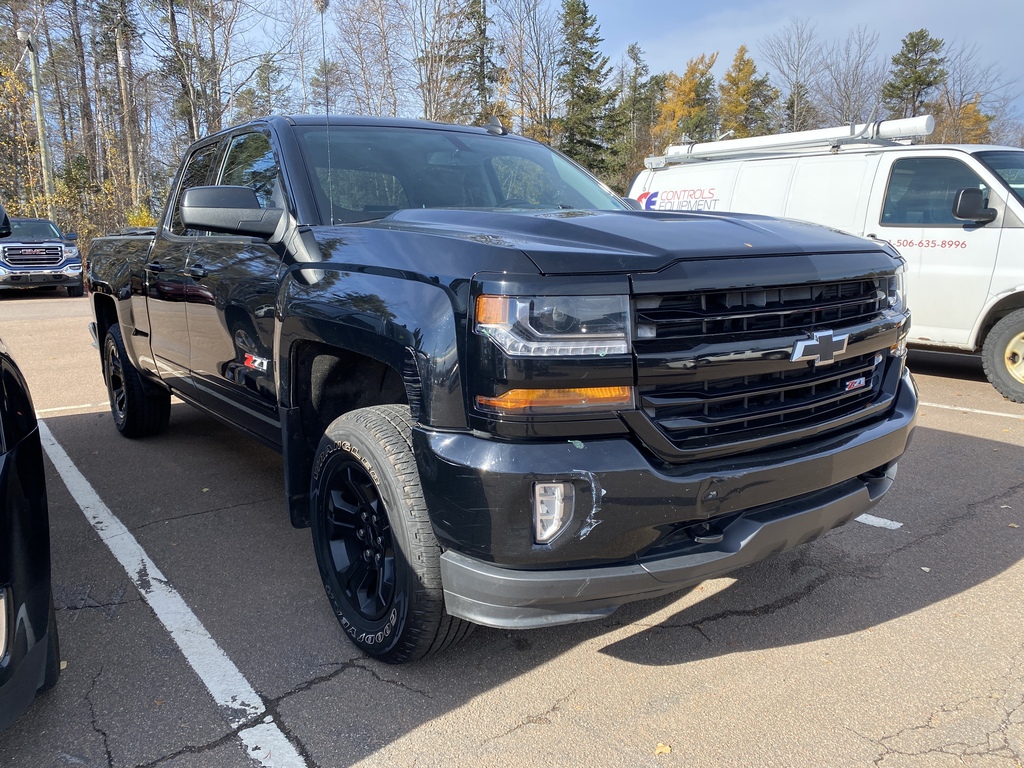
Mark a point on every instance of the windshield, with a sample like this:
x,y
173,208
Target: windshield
x,y
1008,165
33,229
366,172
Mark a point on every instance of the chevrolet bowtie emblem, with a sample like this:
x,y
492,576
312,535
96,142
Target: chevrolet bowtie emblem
x,y
822,348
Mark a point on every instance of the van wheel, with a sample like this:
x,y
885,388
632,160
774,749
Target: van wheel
x,y
378,558
139,407
1003,356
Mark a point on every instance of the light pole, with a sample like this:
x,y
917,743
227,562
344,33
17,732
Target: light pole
x,y
25,35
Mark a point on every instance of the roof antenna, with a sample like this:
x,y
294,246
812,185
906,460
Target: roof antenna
x,y
495,127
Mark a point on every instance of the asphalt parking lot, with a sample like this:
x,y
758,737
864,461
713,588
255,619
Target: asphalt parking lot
x,y
897,644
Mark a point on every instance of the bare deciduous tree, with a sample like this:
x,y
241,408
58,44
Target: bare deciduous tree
x,y
851,78
528,34
794,53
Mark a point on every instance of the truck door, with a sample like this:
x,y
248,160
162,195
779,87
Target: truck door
x,y
950,262
231,304
166,283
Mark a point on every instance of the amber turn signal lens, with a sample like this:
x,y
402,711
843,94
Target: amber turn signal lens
x,y
532,400
491,310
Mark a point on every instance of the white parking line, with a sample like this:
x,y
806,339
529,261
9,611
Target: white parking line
x,y
71,409
878,522
972,410
238,702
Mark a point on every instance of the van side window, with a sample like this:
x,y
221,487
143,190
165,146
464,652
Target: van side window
x,y
196,174
921,191
251,163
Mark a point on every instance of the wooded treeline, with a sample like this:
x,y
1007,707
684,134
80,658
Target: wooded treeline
x,y
128,84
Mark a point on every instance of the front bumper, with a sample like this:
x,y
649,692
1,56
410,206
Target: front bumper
x,y
629,540
41,277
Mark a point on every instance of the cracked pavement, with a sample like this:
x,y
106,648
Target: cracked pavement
x,y
869,647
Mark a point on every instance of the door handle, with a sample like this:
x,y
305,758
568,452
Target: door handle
x,y
197,271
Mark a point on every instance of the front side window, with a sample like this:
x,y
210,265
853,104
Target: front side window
x,y
196,174
250,163
921,192
1008,165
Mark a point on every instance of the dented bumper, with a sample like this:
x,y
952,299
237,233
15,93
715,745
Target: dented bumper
x,y
635,526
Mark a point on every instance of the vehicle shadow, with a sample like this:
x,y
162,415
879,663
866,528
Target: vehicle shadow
x,y
947,364
208,506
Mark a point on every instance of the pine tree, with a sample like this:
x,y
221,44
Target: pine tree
x,y
483,72
582,84
688,109
916,70
629,128
747,101
965,124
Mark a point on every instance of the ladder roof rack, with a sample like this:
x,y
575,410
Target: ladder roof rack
x,y
879,133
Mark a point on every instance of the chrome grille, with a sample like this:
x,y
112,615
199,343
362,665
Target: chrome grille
x,y
33,255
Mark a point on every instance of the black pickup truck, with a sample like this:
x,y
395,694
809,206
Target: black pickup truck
x,y
502,396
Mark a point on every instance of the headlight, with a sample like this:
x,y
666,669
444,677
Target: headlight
x,y
897,291
71,251
555,326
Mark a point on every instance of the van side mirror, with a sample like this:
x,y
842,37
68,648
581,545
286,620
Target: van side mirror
x,y
969,205
229,210
5,223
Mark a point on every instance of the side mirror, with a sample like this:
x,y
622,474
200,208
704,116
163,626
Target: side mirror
x,y
969,205
228,210
636,205
5,223
70,236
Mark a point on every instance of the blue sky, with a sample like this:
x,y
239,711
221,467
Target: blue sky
x,y
672,31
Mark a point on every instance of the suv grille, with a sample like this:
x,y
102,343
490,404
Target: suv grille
x,y
33,255
706,318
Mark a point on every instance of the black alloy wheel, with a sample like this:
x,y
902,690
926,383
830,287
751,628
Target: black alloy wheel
x,y
140,408
362,550
375,547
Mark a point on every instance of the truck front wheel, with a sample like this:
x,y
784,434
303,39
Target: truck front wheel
x,y
139,407
1003,356
375,548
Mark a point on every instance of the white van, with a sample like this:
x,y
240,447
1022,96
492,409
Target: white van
x,y
955,212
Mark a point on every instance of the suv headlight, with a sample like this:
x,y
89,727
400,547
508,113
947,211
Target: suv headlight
x,y
555,326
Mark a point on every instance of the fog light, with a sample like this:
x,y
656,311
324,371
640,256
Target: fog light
x,y
3,623
552,509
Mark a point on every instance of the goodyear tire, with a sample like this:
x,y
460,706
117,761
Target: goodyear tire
x,y
139,407
1003,356
375,548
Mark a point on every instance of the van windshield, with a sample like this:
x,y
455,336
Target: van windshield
x,y
1008,165
367,172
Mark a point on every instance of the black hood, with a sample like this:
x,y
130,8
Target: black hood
x,y
594,242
